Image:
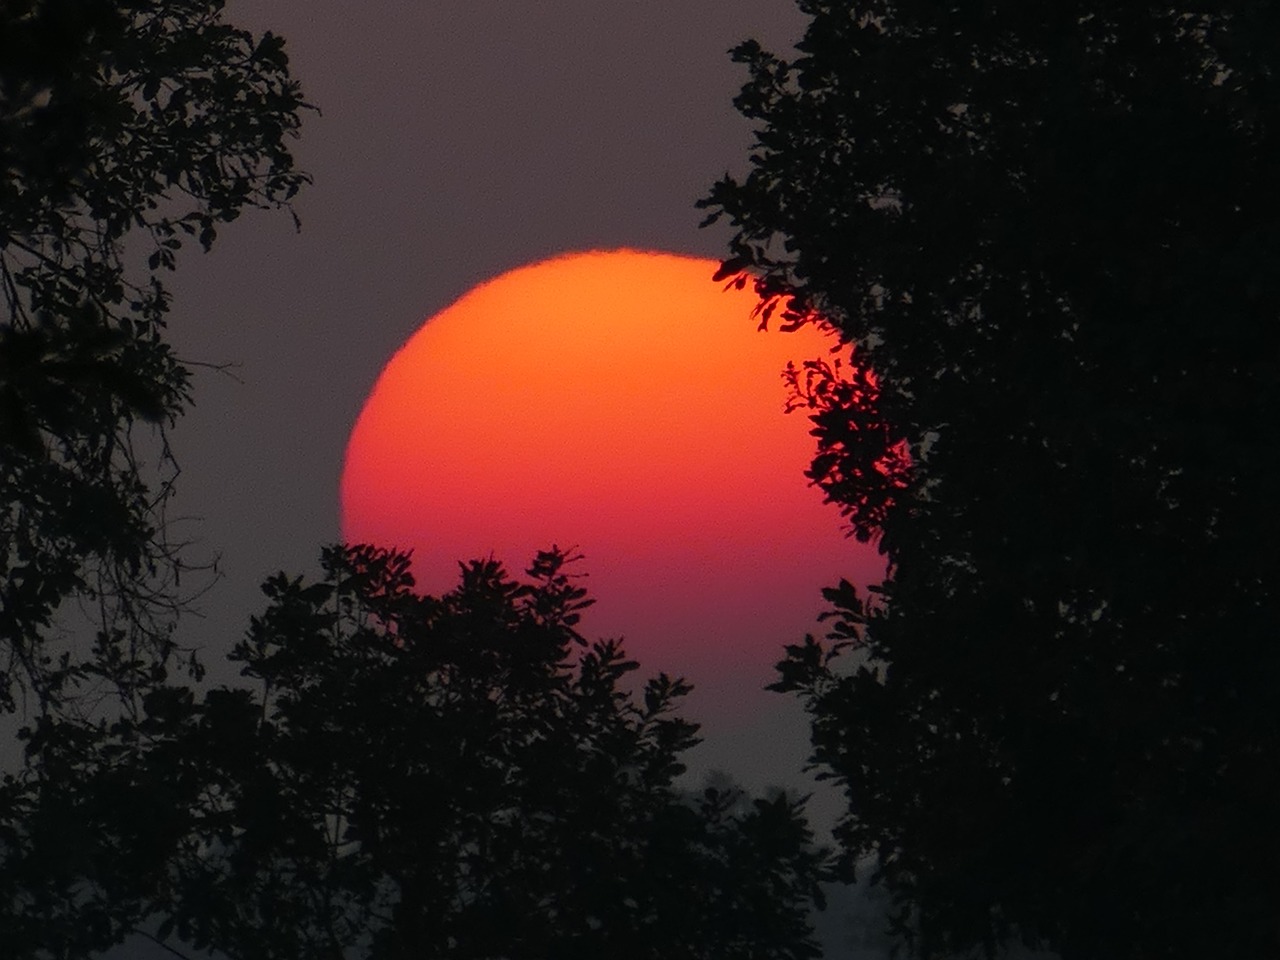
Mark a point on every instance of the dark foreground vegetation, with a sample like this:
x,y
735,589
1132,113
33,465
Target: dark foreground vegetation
x,y
407,776
1047,232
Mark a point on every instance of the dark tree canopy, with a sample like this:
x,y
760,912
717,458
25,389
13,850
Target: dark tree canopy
x,y
1050,232
413,777
126,128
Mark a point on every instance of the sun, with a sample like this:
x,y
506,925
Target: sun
x,y
623,402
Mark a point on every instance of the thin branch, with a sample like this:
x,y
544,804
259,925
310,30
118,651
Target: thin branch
x,y
224,368
161,944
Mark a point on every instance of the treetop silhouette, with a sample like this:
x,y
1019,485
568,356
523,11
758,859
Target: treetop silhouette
x,y
458,775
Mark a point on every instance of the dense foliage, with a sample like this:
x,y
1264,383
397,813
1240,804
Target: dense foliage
x,y
126,128
1049,233
413,776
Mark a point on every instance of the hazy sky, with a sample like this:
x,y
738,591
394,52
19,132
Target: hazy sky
x,y
458,139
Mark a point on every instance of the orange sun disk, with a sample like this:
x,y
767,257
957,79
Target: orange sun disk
x,y
622,402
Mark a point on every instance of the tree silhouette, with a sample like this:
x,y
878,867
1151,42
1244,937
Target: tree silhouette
x,y
1049,233
125,129
414,776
